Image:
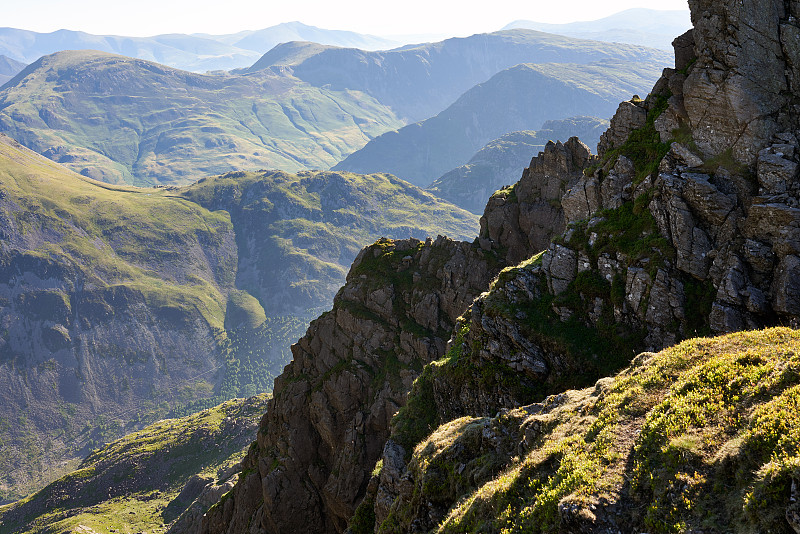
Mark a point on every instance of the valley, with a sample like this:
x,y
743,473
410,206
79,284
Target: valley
x,y
123,305
217,319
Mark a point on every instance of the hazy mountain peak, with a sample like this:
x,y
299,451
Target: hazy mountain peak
x,y
9,68
640,26
195,52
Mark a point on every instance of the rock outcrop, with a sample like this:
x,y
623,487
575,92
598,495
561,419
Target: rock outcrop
x,y
677,228
528,215
329,418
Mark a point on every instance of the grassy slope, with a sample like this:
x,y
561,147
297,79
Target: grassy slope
x,y
91,241
518,98
146,239
299,233
701,436
132,484
128,120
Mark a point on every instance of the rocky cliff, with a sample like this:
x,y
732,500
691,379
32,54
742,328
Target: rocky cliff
x,y
329,418
678,228
687,222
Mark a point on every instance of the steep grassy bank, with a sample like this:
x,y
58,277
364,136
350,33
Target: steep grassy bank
x,y
700,436
146,480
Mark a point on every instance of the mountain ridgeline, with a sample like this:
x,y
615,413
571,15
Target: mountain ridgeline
x,y
419,81
195,53
121,305
515,99
304,106
123,120
642,26
685,223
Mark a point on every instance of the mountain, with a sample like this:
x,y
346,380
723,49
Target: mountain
x,y
9,68
417,82
121,305
185,52
637,26
298,233
196,53
514,99
119,119
576,392
195,458
112,303
264,40
499,163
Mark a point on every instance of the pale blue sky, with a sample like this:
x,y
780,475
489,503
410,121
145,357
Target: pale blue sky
x,y
150,17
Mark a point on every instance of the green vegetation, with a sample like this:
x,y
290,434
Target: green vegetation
x,y
119,236
629,230
298,234
135,480
701,436
127,120
643,146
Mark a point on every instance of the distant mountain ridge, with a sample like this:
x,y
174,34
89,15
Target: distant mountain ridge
x,y
417,82
511,100
639,26
196,52
119,119
9,68
302,106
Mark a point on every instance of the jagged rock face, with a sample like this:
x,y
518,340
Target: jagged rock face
x,y
743,88
526,217
329,417
704,242
701,244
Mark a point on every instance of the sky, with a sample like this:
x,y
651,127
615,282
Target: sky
x,y
439,17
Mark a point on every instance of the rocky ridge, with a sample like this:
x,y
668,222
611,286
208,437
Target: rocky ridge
x,y
497,164
669,233
329,417
677,228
